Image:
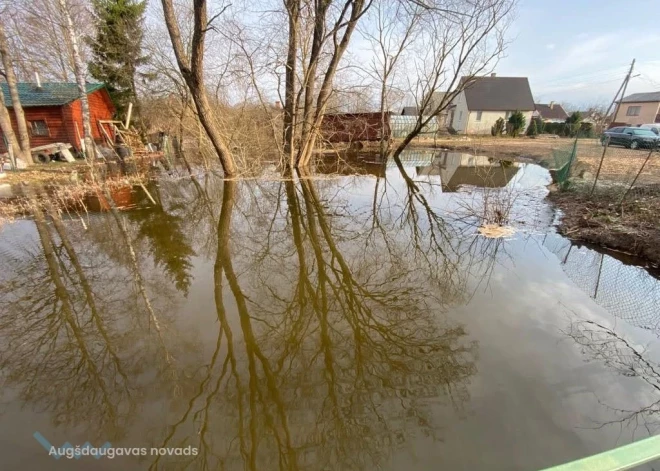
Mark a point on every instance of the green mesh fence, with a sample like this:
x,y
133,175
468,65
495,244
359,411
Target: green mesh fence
x,y
563,163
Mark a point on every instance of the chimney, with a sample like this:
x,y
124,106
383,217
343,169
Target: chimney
x,y
37,80
493,74
552,104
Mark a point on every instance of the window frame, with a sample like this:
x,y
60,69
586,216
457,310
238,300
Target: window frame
x,y
34,132
479,115
634,110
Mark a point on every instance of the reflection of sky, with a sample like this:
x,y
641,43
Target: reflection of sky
x,y
534,401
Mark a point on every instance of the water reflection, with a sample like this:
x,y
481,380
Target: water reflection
x,y
331,348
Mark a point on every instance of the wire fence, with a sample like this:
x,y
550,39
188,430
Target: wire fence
x,y
628,292
596,166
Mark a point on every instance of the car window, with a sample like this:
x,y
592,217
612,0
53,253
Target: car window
x,y
614,130
644,132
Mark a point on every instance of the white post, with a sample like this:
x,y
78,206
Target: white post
x,y
128,115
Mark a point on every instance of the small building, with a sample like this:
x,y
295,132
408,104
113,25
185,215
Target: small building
x,y
551,112
638,108
486,99
53,112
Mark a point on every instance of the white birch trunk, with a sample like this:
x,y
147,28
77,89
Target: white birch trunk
x,y
80,79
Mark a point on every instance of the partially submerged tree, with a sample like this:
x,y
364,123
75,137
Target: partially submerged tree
x,y
117,48
22,150
191,66
305,104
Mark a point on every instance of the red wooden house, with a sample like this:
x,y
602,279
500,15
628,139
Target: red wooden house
x,y
54,112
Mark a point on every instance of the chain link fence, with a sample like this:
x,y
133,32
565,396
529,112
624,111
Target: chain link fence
x,y
628,292
597,167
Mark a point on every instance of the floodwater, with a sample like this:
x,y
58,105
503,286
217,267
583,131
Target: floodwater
x,y
323,322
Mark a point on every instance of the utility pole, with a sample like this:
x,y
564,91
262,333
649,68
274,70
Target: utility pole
x,y
606,143
623,87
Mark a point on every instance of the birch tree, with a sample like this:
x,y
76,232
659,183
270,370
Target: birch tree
x,y
23,141
79,68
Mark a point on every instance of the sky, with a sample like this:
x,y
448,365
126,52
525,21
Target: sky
x,y
578,52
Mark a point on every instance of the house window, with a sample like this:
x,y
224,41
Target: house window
x,y
633,110
508,115
460,116
39,128
479,115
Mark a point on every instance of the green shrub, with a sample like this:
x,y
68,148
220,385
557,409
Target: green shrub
x,y
532,129
498,128
517,123
573,123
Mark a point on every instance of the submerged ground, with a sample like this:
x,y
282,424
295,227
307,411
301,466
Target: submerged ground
x,y
324,322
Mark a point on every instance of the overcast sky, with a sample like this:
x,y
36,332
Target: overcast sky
x,y
579,51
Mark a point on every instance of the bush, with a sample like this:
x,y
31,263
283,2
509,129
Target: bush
x,y
498,128
573,123
517,123
532,129
555,128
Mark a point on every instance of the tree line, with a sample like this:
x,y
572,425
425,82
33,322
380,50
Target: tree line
x,y
242,73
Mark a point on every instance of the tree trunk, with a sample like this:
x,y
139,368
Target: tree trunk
x,y
192,70
23,136
80,79
8,132
289,121
307,147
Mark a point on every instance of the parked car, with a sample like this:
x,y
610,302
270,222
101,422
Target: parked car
x,y
653,127
633,138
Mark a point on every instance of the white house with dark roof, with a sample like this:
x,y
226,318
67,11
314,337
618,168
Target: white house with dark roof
x,y
639,108
486,99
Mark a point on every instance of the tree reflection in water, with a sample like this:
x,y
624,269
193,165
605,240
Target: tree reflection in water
x,y
76,340
332,349
340,351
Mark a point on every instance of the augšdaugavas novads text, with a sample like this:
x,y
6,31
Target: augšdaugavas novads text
x,y
110,452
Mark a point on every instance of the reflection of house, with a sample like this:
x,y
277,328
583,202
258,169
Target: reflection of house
x,y
639,108
486,99
457,169
551,112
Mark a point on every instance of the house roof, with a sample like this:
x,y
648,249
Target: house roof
x,y
641,97
498,94
556,112
49,94
410,111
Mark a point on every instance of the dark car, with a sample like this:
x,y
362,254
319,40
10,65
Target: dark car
x,y
633,138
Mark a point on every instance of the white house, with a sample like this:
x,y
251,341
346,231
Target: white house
x,y
485,99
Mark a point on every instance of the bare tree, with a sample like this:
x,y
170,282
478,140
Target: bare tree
x,y
457,44
8,131
192,70
17,108
38,36
304,104
80,79
396,27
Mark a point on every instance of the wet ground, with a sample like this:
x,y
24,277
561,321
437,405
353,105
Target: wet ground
x,y
323,322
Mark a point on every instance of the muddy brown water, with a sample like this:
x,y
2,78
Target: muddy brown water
x,y
323,323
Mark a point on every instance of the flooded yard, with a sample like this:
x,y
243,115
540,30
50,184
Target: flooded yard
x,y
323,321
